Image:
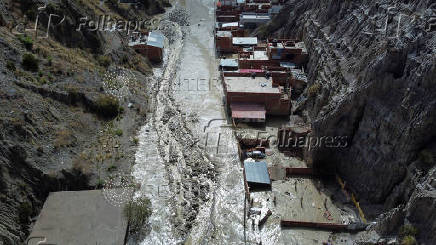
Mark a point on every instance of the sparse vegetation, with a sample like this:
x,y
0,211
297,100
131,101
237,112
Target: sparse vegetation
x,y
108,106
408,240
426,157
64,138
24,211
118,132
11,66
29,8
313,90
111,168
82,165
104,60
408,230
407,234
135,140
30,62
137,213
26,41
99,183
49,60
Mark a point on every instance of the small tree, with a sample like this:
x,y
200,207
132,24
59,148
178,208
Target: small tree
x,y
408,240
137,213
408,230
108,105
30,63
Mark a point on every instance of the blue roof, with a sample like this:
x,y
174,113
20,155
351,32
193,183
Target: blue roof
x,y
257,172
156,39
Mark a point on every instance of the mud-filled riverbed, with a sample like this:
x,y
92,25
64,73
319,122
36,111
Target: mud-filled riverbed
x,y
187,162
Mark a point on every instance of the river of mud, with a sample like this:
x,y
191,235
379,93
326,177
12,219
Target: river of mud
x,y
187,161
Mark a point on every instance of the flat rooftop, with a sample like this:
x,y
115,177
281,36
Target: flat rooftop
x,y
230,24
229,62
224,34
254,17
79,217
244,40
250,85
259,55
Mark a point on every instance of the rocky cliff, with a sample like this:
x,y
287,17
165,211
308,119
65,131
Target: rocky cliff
x,y
372,77
63,125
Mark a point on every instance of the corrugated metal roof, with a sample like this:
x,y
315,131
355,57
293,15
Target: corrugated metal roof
x,y
230,24
224,34
287,64
250,70
257,172
156,39
247,111
244,40
229,62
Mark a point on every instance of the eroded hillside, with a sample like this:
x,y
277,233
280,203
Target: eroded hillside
x,y
61,128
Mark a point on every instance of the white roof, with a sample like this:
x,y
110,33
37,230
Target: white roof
x,y
244,40
230,24
156,39
255,16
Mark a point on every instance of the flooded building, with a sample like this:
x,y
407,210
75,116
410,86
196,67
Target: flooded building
x,y
151,46
256,95
256,175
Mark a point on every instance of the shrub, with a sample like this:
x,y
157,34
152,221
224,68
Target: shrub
x,y
107,106
24,211
408,230
82,165
408,240
118,132
314,90
49,60
136,140
30,63
99,183
111,168
64,138
29,8
11,66
104,60
426,156
137,213
26,41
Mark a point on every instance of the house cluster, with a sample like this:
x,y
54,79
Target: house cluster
x,y
259,76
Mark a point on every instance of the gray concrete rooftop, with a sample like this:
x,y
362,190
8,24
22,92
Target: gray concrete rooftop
x,y
79,217
250,85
